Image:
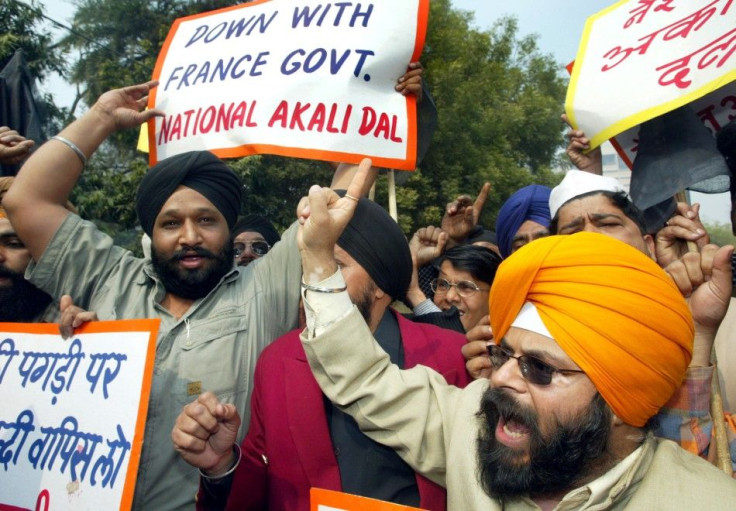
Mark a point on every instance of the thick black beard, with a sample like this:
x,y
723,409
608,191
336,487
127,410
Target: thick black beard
x,y
192,284
554,464
21,301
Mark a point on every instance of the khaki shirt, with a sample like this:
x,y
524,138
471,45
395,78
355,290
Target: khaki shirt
x,y
434,427
214,346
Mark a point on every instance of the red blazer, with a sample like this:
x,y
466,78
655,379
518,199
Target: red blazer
x,y
288,448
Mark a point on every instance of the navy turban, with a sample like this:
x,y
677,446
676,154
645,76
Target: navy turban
x,y
257,223
529,203
377,243
201,171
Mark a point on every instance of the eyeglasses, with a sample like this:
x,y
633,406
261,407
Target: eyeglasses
x,y
259,248
464,288
532,369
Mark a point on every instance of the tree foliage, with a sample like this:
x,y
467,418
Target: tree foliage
x,y
498,100
720,234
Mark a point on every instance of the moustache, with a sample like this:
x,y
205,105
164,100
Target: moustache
x,y
510,409
192,251
6,272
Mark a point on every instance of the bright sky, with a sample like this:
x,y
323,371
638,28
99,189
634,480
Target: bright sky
x,y
558,24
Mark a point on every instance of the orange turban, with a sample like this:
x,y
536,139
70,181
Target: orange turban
x,y
613,311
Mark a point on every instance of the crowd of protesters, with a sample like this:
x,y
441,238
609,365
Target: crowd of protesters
x,y
339,354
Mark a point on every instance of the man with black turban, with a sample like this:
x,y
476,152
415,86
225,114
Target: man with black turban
x,y
253,236
215,319
291,422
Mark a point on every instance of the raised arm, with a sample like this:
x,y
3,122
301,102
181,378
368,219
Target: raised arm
x,y
578,150
35,204
462,215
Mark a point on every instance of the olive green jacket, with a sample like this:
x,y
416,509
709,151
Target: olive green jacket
x,y
214,346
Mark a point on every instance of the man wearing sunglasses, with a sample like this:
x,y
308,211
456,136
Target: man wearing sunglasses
x,y
253,236
562,421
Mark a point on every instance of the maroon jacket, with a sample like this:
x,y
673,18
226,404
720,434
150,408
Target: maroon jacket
x,y
288,426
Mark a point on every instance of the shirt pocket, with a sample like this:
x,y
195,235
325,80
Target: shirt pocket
x,y
215,357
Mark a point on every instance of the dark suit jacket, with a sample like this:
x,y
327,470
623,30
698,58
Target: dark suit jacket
x,y
288,448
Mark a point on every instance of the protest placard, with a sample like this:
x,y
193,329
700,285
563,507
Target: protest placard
x,y
639,59
294,78
73,414
328,500
714,110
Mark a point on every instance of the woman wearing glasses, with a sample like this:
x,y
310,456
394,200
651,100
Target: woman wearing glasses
x,y
460,290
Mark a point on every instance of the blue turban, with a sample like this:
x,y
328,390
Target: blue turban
x,y
529,203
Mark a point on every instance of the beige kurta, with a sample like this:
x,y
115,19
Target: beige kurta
x,y
433,426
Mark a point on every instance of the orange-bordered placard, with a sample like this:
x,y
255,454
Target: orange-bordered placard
x,y
74,413
329,500
299,79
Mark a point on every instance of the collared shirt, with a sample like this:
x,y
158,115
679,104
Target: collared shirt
x,y
686,417
213,347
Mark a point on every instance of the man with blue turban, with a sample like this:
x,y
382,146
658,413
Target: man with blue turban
x,y
523,218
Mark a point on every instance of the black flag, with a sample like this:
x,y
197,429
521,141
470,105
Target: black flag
x,y
19,109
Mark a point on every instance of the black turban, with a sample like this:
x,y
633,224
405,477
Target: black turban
x,y
256,223
377,243
201,171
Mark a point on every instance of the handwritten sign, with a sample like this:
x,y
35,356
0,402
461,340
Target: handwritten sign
x,y
639,59
328,500
714,110
73,414
295,78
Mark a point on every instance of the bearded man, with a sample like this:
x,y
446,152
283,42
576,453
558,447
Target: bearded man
x,y
20,301
215,318
592,338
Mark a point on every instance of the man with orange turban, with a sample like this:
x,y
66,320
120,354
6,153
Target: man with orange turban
x,y
600,338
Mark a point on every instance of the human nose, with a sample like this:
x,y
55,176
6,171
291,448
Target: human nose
x,y
508,375
590,227
189,234
452,295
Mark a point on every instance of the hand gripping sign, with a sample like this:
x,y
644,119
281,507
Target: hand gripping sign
x,y
291,77
639,59
73,413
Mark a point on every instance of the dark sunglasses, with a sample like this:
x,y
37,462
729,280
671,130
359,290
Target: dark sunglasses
x,y
464,288
259,248
532,369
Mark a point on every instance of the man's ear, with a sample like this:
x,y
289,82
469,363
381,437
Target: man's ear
x,y
649,242
616,421
379,293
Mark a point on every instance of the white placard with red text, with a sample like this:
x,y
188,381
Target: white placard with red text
x,y
639,59
291,77
73,414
